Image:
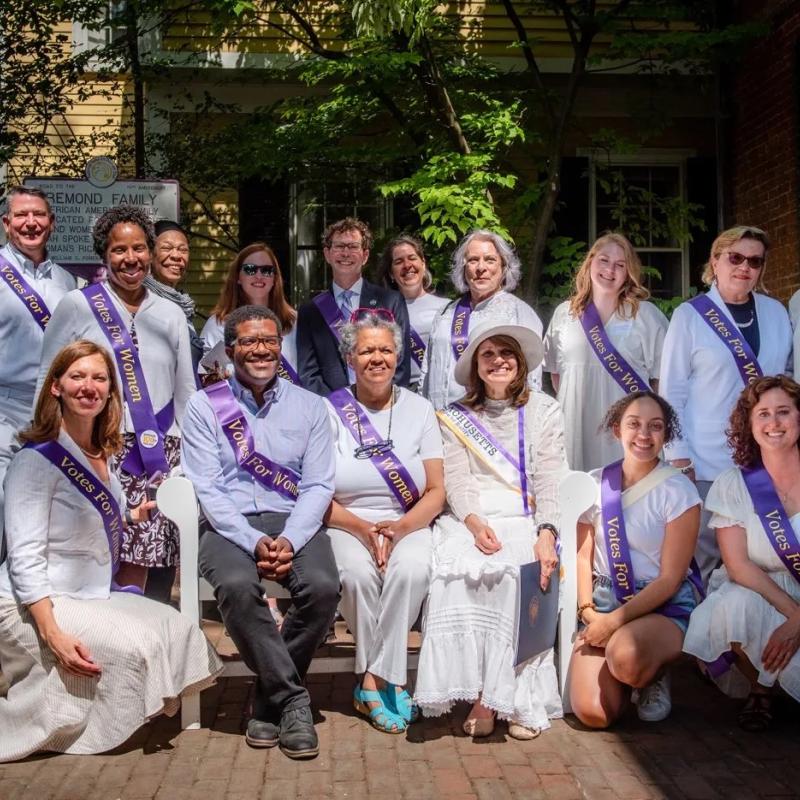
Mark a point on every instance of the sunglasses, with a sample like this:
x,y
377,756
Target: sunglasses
x,y
381,313
252,269
756,262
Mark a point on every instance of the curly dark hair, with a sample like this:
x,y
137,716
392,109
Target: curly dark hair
x,y
115,216
746,452
615,413
345,226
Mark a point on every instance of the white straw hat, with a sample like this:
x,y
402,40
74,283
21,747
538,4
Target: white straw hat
x,y
528,340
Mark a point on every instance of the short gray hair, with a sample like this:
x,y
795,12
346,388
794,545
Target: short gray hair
x,y
349,333
247,314
509,257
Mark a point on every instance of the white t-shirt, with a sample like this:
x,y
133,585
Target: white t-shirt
x,y
415,433
421,311
645,523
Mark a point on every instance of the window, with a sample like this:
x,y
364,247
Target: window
x,y
315,205
644,197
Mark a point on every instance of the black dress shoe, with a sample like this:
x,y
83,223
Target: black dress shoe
x,y
298,737
262,734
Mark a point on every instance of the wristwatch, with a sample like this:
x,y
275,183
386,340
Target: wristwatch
x,y
546,526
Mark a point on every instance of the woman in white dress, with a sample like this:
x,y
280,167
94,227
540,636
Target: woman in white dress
x,y
609,305
751,616
500,517
404,269
485,270
88,661
254,278
634,593
702,375
389,488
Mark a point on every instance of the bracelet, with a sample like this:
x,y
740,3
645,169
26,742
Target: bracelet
x,y
128,517
583,608
546,526
687,469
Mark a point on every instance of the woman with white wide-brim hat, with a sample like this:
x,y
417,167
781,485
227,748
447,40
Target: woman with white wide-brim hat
x,y
500,517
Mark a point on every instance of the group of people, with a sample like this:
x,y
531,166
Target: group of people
x,y
380,451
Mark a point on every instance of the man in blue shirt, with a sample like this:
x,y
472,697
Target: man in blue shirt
x,y
259,452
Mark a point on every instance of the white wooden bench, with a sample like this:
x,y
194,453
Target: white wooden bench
x,y
177,501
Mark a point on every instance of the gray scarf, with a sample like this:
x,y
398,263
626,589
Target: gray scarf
x,y
180,299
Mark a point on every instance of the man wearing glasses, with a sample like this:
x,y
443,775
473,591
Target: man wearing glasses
x,y
259,452
346,248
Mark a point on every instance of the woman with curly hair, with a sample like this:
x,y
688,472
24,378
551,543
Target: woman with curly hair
x,y
254,278
485,269
751,617
602,343
635,571
149,340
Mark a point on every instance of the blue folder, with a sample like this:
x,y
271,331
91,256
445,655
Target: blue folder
x,y
538,613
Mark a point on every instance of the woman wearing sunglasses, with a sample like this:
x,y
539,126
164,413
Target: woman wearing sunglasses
x,y
389,488
717,344
254,278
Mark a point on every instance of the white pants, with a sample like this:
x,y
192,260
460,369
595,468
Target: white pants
x,y
380,609
15,414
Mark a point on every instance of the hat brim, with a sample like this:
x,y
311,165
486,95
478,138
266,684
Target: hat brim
x,y
529,341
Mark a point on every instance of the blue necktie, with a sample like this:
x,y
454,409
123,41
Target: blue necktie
x,y
344,304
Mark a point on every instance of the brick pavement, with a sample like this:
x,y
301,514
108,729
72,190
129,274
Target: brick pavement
x,y
698,753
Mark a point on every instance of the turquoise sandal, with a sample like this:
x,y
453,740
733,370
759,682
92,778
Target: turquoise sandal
x,y
400,703
381,718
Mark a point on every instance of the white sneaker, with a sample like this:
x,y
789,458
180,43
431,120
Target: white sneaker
x,y
655,701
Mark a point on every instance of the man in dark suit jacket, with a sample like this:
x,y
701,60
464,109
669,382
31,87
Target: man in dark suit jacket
x,y
322,369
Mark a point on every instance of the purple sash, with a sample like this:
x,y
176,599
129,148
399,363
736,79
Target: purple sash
x,y
91,487
331,313
459,329
33,301
517,463
608,356
744,358
417,346
620,564
773,518
271,475
149,438
288,372
395,475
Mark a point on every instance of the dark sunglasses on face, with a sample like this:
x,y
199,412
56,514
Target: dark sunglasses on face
x,y
756,262
251,269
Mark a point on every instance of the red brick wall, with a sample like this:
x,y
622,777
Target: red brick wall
x,y
764,141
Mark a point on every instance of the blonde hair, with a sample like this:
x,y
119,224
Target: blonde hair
x,y
632,292
47,418
730,237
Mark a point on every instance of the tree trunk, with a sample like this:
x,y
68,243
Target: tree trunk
x,y
132,42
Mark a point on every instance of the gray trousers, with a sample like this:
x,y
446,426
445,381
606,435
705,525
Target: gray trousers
x,y
280,659
707,552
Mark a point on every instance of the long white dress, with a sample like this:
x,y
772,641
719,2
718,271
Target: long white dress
x,y
585,389
421,312
149,654
469,637
734,613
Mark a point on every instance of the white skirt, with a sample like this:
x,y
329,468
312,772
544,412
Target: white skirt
x,y
734,613
469,636
149,655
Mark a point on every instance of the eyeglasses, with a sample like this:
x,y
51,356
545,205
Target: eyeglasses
x,y
252,342
381,313
251,269
168,248
369,450
347,247
755,262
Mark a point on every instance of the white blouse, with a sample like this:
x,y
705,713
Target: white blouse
x,y
437,378
163,340
415,433
701,382
421,312
645,523
56,540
